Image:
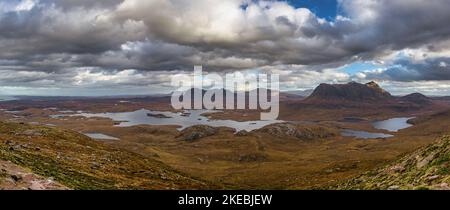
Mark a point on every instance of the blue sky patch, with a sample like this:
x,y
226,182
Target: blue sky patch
x,y
323,8
360,66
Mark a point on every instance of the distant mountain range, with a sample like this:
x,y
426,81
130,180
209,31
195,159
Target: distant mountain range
x,y
354,92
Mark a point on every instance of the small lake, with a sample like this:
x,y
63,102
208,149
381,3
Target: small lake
x,y
365,135
392,125
100,136
195,117
183,119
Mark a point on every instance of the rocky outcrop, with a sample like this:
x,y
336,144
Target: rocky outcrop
x,y
426,168
14,177
303,132
196,132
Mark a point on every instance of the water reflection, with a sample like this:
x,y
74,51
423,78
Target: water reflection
x,y
100,136
364,134
393,125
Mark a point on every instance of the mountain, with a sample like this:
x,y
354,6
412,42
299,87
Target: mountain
x,y
247,94
352,91
426,168
417,98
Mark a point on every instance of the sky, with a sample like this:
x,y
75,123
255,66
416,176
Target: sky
x,y
118,47
327,9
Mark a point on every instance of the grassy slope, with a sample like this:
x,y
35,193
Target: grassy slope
x,y
426,168
82,163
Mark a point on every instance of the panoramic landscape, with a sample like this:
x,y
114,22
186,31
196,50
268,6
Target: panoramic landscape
x,y
327,140
360,99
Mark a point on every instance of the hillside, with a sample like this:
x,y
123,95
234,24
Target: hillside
x,y
426,168
301,132
417,98
79,162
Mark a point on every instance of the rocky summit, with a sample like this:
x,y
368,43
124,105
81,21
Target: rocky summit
x,y
352,91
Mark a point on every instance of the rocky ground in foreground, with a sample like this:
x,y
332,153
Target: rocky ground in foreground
x,y
38,157
14,177
426,168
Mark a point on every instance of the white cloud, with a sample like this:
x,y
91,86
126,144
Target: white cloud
x,y
25,5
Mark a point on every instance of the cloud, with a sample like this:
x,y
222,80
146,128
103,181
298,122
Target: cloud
x,y
261,33
60,37
277,32
429,88
423,70
293,77
407,69
48,29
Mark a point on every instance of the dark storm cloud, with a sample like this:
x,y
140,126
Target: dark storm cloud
x,y
395,25
281,34
46,29
263,33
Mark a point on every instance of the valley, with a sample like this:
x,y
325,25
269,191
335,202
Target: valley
x,y
157,147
